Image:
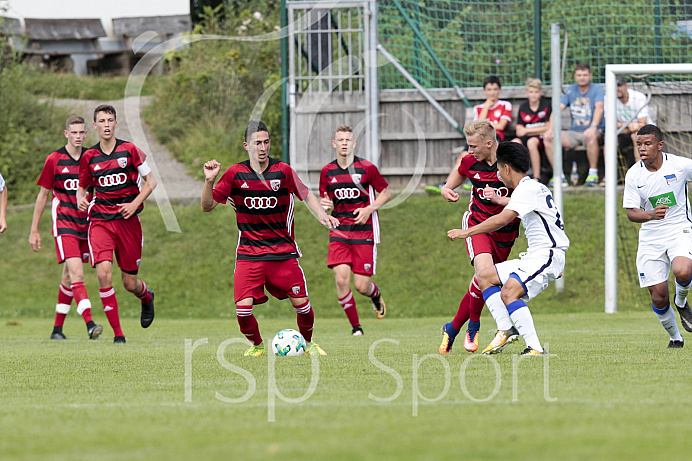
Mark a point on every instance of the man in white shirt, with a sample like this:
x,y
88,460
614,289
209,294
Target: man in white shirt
x,y
544,261
656,196
3,205
632,111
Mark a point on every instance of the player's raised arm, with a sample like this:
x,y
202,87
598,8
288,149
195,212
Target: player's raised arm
x,y
211,171
491,224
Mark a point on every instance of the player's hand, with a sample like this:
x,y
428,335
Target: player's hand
x,y
362,215
35,240
211,170
329,221
448,194
127,209
326,202
3,225
83,204
659,212
456,234
489,193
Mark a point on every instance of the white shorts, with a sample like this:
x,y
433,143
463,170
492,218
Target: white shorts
x,y
654,259
535,270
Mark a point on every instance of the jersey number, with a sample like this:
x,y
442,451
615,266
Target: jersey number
x,y
558,221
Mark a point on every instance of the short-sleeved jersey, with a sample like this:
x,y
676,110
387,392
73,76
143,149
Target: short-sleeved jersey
x,y
351,188
543,225
61,174
635,108
582,105
646,190
115,178
534,119
482,174
264,207
501,110
2,183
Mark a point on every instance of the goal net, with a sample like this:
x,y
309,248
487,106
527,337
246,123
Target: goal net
x,y
667,89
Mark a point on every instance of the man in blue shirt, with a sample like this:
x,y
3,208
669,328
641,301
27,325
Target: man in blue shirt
x,y
585,101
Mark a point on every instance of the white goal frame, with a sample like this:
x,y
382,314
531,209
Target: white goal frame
x,y
611,166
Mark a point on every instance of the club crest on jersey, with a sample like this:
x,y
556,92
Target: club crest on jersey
x,y
367,267
295,290
275,184
356,178
122,162
670,178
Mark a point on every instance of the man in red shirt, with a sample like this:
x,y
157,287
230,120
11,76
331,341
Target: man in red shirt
x,y
261,190
348,185
60,175
485,250
114,168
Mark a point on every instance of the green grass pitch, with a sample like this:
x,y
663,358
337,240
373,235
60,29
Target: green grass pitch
x,y
609,390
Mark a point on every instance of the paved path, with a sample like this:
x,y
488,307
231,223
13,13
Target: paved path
x,y
172,175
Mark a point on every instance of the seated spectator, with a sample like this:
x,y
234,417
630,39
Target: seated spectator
x,y
533,120
494,109
585,101
633,113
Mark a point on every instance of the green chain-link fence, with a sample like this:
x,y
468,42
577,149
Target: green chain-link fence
x,y
472,39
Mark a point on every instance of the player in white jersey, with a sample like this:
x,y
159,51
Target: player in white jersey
x,y
543,262
656,197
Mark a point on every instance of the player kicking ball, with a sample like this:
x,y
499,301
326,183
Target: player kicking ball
x,y
261,190
348,186
656,196
60,175
114,168
543,262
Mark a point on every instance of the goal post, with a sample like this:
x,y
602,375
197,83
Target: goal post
x,y
611,165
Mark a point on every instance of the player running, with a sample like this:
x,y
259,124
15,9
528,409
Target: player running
x,y
485,249
507,286
114,168
348,185
60,175
261,191
656,196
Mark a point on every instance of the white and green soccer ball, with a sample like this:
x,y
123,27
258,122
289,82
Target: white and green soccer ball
x,y
288,342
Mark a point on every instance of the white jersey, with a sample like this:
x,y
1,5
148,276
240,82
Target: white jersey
x,y
2,183
636,105
542,222
646,190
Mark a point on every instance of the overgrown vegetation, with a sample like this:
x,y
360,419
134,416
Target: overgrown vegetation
x,y
201,111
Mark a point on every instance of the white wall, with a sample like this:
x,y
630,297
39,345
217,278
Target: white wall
x,y
83,9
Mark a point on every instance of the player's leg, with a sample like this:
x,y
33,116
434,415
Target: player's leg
x,y
660,304
682,270
364,265
128,252
75,269
62,308
512,292
101,247
490,283
593,150
248,290
339,258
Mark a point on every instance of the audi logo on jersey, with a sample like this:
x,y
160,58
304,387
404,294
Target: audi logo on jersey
x,y
261,203
500,192
71,184
346,193
113,180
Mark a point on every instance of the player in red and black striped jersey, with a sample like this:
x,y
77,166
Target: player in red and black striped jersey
x,y
60,175
534,120
480,166
349,185
261,191
114,169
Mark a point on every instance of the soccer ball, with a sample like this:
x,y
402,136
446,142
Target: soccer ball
x,y
288,342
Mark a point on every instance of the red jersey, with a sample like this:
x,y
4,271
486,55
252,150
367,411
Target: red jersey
x,y
114,177
534,119
352,188
501,110
61,174
264,207
482,174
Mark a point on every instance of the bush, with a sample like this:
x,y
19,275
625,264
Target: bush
x,y
201,111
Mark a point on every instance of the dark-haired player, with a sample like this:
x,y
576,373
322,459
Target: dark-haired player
x,y
348,185
114,168
480,167
60,175
507,286
261,190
